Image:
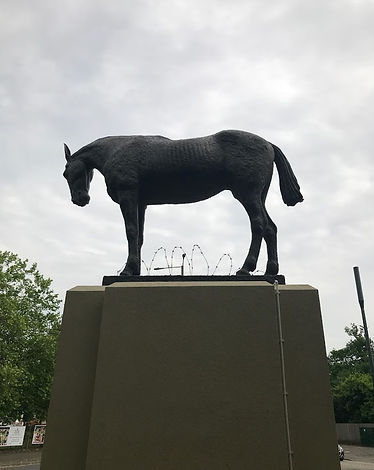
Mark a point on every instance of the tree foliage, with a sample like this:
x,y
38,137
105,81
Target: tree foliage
x,y
351,382
29,328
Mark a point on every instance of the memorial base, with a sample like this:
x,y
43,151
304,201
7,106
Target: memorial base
x,y
190,376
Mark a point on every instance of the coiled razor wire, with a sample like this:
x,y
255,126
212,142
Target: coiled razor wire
x,y
185,257
168,266
219,261
196,249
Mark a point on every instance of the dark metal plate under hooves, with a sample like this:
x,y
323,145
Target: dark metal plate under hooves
x,y
107,280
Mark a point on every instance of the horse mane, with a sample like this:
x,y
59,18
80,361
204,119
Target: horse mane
x,y
84,150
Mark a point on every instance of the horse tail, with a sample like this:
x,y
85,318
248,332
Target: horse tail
x,y
289,186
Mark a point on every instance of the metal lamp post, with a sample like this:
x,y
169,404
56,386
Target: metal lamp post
x,y
360,295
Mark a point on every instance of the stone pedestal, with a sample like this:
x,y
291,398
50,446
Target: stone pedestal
x,y
188,376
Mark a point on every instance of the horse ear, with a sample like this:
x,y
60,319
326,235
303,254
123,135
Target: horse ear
x,y
67,153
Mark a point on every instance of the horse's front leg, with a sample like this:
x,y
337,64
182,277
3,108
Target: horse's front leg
x,y
128,201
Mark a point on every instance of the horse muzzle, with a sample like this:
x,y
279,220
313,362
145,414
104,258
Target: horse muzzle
x,y
81,200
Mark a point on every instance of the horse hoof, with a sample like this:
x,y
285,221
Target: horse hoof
x,y
127,272
271,269
242,272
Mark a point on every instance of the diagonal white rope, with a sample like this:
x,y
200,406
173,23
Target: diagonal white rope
x,y
283,373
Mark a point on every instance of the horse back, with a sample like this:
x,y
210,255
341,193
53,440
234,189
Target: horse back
x,y
186,170
181,171
154,150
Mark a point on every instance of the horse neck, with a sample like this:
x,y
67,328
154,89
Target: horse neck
x,y
93,159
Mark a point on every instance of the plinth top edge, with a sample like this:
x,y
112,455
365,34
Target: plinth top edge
x,y
87,288
171,284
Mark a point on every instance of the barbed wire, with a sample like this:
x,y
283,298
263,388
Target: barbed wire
x,y
219,261
146,267
183,253
196,246
190,260
168,266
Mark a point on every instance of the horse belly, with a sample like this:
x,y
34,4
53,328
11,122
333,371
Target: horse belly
x,y
180,190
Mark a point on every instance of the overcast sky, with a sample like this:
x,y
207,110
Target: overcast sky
x,y
298,73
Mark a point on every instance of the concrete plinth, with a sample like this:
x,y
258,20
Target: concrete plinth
x,y
188,376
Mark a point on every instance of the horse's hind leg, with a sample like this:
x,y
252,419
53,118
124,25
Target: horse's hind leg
x,y
270,237
258,218
141,217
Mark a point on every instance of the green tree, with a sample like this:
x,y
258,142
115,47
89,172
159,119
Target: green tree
x,y
351,383
29,329
354,399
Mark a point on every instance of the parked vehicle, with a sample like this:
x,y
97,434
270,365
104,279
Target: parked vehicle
x,y
340,452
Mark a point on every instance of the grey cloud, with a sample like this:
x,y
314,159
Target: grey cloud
x,y
298,73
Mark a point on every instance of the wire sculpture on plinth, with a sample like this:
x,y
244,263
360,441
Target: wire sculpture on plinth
x,y
186,266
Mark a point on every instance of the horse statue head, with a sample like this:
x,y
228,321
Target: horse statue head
x,y
78,177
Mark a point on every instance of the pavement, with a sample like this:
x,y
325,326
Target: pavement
x,y
24,467
356,458
20,459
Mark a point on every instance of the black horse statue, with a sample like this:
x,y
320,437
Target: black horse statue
x,y
142,170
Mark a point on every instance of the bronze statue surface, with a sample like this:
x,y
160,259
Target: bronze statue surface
x,y
145,170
